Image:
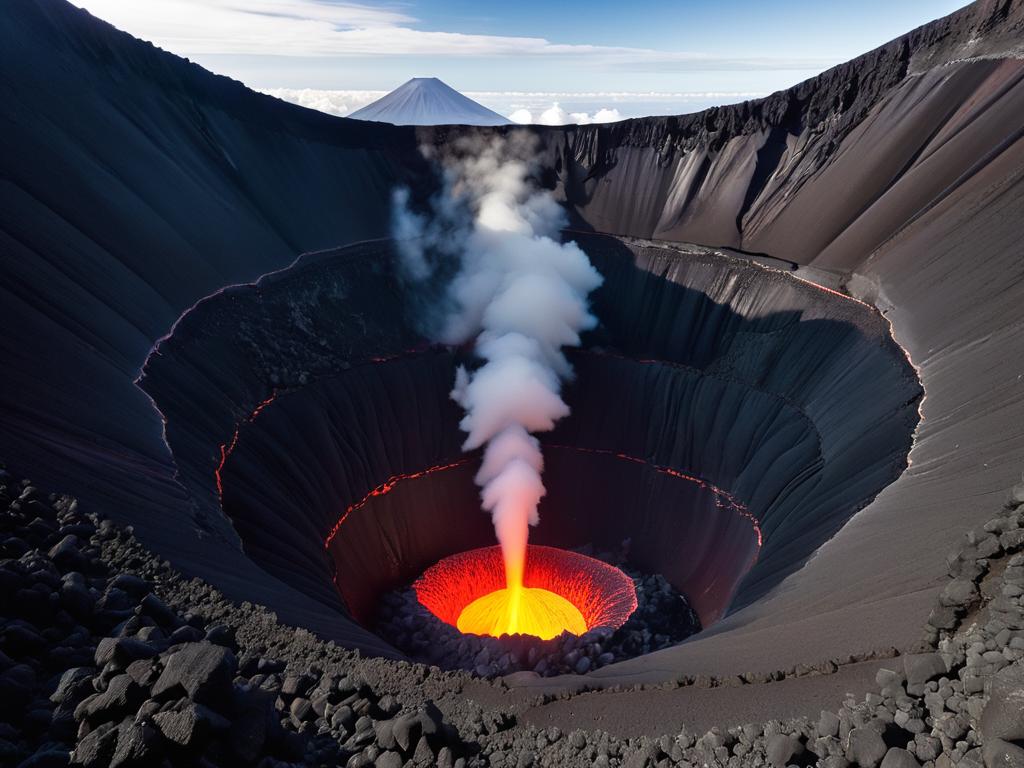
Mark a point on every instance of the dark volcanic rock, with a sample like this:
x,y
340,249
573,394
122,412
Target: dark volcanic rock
x,y
190,726
865,747
780,748
73,682
959,593
201,671
121,697
96,748
1003,717
138,746
920,668
899,758
122,650
67,556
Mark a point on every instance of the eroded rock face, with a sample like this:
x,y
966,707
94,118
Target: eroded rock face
x,y
825,172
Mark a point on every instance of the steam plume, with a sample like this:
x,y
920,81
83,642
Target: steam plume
x,y
489,246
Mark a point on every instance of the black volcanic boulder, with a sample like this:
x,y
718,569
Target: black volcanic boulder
x,y
67,556
899,758
156,609
138,746
122,697
920,668
75,596
959,593
122,651
96,748
191,726
73,682
202,671
256,728
780,748
865,747
1002,721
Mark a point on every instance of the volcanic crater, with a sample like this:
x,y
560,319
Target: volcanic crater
x,y
727,419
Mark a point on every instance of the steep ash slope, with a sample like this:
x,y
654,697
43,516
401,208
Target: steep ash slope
x,y
132,184
826,171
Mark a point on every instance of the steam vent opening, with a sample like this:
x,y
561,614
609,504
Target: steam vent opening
x,y
727,419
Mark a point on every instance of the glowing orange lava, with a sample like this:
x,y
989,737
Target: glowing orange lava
x,y
522,611
562,591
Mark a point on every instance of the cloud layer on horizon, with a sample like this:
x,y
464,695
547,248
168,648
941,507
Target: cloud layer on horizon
x,y
542,107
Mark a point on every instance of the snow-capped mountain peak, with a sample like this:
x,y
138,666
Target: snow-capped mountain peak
x,y
428,101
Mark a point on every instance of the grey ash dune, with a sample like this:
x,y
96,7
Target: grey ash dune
x,y
134,184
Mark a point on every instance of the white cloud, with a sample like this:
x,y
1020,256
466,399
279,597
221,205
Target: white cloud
x,y
555,115
316,28
339,103
521,116
650,95
606,115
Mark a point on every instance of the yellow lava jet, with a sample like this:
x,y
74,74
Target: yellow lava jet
x,y
521,610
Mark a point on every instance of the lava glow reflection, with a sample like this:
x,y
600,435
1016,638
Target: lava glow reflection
x,y
522,611
562,591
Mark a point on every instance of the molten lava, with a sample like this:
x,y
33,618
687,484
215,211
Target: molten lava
x,y
522,611
562,592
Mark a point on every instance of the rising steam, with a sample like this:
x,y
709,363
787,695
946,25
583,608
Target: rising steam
x,y
488,244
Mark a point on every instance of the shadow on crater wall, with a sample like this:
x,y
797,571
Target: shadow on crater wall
x,y
718,404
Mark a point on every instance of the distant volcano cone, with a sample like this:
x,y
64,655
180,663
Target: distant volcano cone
x,y
428,101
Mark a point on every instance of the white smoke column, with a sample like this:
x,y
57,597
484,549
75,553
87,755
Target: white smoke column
x,y
522,295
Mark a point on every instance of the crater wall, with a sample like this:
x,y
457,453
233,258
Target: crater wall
x,y
706,427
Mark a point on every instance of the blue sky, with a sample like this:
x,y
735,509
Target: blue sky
x,y
725,50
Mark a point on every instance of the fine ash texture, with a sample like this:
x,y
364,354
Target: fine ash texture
x,y
109,657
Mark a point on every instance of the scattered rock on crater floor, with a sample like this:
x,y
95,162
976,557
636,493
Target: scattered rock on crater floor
x,y
108,657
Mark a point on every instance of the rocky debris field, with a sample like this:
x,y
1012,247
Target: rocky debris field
x,y
97,669
663,618
109,657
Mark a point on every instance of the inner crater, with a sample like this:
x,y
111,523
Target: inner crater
x,y
563,591
726,420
